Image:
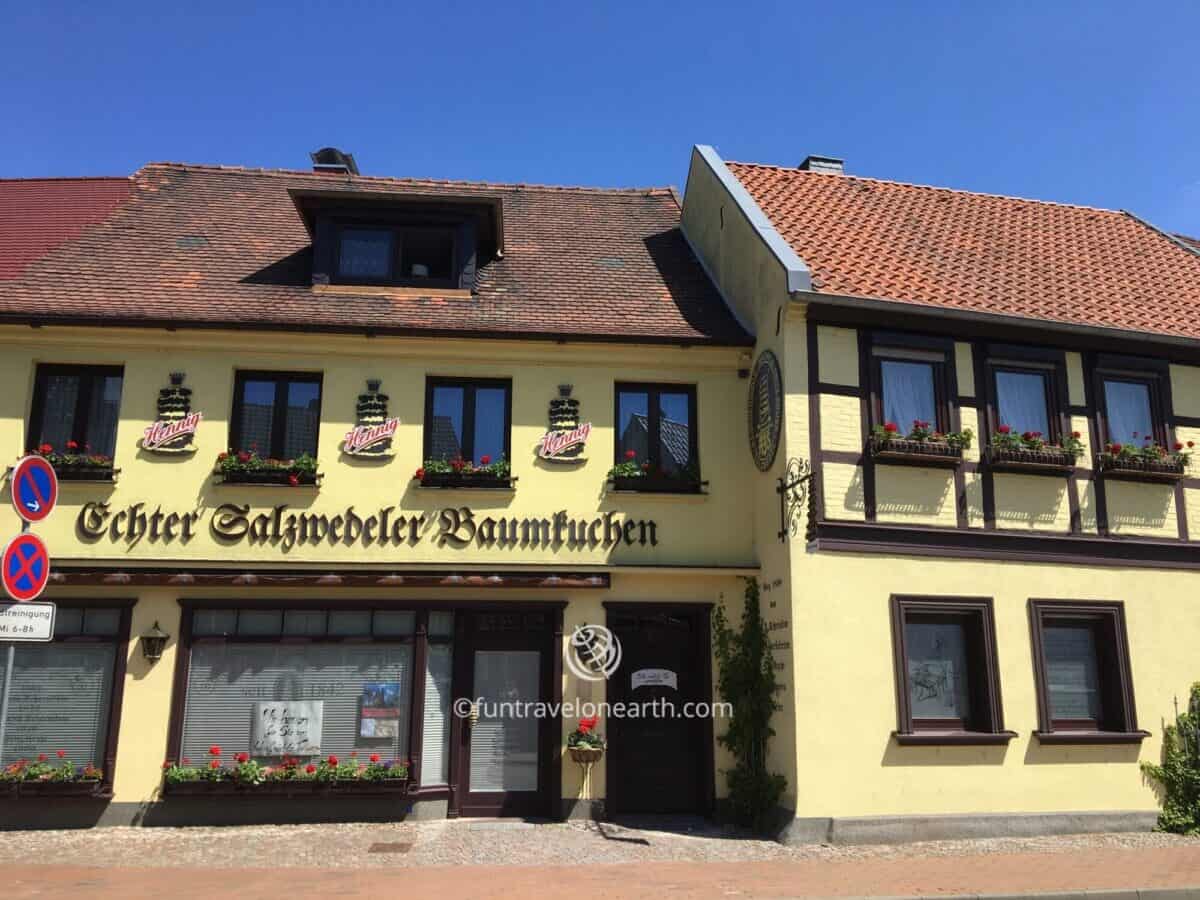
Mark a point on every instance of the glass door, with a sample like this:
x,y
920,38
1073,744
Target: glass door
x,y
504,771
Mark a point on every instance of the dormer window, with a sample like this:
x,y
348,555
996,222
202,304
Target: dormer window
x,y
409,255
399,239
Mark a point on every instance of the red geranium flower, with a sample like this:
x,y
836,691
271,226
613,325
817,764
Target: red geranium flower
x,y
166,764
420,476
215,764
310,768
243,757
42,757
631,454
1178,445
45,449
244,456
333,760
374,757
293,479
1076,435
60,753
222,455
891,427
1004,429
1115,448
1191,444
484,460
214,750
72,445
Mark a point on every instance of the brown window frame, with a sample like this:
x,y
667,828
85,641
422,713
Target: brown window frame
x,y
653,390
400,233
281,380
88,376
987,725
120,639
1053,372
935,352
1119,725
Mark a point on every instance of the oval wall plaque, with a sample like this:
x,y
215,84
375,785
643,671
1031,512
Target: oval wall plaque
x,y
765,415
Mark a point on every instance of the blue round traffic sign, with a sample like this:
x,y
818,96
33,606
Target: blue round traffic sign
x,y
34,488
25,567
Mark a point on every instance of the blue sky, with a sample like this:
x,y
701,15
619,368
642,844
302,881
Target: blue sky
x,y
1093,102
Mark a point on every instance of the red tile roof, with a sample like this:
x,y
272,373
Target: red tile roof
x,y
39,214
980,252
209,245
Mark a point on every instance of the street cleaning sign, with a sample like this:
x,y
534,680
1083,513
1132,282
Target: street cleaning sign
x,y
26,621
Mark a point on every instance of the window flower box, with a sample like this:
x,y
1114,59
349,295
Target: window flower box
x,y
1139,469
291,788
461,473
73,465
1048,460
17,790
923,445
902,451
247,467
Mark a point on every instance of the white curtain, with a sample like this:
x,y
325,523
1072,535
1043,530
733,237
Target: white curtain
x,y
1128,407
1021,401
908,393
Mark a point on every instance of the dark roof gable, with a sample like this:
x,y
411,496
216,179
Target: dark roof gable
x,y
215,246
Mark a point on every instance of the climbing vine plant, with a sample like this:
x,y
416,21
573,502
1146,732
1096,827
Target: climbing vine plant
x,y
746,680
1179,774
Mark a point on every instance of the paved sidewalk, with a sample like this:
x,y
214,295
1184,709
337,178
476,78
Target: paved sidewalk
x,y
1146,869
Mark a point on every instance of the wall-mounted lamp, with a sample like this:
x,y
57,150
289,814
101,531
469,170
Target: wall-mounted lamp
x,y
153,642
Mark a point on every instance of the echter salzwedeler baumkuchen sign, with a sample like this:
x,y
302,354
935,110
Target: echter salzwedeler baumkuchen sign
x,y
455,526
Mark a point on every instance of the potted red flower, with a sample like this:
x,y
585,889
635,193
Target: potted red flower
x,y
73,462
464,473
585,744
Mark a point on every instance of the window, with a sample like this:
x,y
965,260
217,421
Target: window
x,y
1023,401
1081,665
276,414
79,404
910,386
61,696
467,419
356,665
1130,407
656,423
409,255
948,687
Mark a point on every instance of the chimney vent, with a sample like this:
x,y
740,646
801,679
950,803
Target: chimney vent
x,y
332,161
829,165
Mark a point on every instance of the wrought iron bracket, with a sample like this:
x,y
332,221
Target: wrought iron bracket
x,y
794,489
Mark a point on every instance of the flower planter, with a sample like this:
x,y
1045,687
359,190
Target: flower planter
x,y
15,790
1034,462
85,473
900,451
467,480
653,484
273,477
1165,471
586,755
307,788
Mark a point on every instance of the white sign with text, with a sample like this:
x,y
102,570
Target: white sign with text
x,y
26,621
655,678
287,728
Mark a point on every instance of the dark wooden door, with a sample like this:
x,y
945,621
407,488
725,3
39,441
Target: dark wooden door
x,y
503,757
659,763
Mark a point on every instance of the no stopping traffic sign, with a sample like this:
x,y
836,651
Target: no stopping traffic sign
x,y
25,567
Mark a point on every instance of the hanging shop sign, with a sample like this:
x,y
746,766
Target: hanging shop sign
x,y
26,621
176,425
372,437
765,413
456,527
565,441
287,728
34,488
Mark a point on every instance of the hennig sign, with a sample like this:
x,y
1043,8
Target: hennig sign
x,y
363,437
162,433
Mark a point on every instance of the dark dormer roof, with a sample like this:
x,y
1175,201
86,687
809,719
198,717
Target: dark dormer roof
x,y
209,246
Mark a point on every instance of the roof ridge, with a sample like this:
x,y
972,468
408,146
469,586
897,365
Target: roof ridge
x,y
928,187
387,179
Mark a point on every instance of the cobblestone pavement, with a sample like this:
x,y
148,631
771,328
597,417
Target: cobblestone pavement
x,y
496,843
